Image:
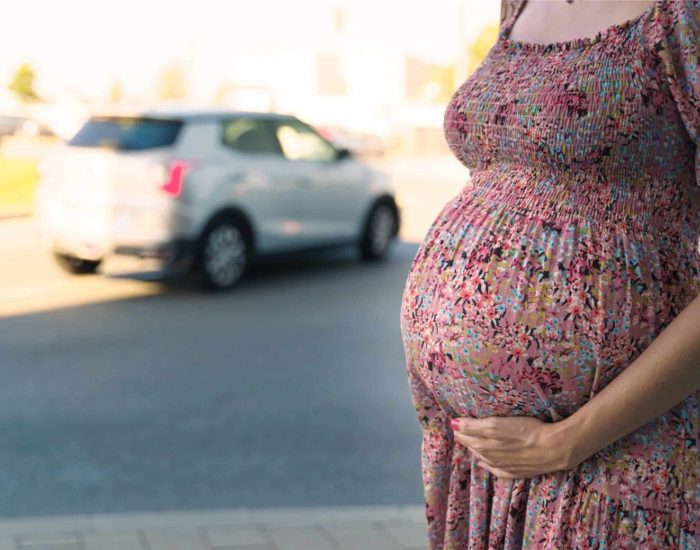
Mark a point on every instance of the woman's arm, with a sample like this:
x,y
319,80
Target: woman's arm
x,y
666,372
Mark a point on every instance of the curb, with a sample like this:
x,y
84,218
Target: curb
x,y
297,516
298,528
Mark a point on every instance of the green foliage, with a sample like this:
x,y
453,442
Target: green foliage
x,y
23,83
481,46
18,179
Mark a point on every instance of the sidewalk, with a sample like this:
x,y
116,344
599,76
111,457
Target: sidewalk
x,y
302,528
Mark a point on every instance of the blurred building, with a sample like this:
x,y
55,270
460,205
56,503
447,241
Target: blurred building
x,y
383,69
362,81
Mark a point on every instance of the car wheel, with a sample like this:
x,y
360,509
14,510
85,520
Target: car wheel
x,y
379,231
224,254
74,265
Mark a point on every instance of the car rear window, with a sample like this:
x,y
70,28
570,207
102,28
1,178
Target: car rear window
x,y
127,133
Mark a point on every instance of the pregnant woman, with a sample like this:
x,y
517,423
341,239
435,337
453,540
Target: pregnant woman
x,y
553,308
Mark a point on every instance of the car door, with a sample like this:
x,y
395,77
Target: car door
x,y
259,180
332,191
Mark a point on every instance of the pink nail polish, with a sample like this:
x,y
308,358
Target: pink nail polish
x,y
454,423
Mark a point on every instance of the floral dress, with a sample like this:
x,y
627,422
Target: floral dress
x,y
571,247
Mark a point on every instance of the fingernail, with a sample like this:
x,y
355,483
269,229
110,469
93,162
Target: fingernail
x,y
454,423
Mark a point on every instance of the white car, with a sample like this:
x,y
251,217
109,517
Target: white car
x,y
207,191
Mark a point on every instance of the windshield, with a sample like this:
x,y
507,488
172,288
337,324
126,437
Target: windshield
x,y
127,133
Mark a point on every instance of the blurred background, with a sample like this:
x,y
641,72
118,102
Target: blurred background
x,y
126,389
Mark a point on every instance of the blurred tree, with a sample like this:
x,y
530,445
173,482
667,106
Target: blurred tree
x,y
172,83
115,92
23,83
481,46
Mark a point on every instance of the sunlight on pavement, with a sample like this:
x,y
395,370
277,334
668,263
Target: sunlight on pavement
x,y
65,293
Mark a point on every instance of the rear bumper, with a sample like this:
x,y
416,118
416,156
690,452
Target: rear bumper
x,y
178,253
175,253
99,231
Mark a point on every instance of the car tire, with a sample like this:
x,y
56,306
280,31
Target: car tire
x,y
75,265
380,229
223,254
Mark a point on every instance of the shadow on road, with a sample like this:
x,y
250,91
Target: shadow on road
x,y
288,391
278,269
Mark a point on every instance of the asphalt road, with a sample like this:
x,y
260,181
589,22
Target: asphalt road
x,y
126,392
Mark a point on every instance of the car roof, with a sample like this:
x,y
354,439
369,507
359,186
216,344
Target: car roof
x,y
192,114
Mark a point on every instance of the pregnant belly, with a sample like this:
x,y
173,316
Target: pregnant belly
x,y
510,316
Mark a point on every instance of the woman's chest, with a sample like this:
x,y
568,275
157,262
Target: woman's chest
x,y
568,109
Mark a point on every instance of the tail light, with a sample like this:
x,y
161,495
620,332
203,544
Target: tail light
x,y
326,132
176,175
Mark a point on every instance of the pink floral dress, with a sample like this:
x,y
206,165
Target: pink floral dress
x,y
572,246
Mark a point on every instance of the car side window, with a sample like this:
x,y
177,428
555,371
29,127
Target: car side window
x,y
250,135
300,141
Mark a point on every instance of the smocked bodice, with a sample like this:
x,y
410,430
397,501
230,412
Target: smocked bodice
x,y
593,121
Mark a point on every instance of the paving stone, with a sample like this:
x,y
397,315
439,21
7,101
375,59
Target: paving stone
x,y
236,536
309,516
360,535
283,517
300,538
413,513
59,537
408,534
158,520
52,546
175,539
307,528
113,541
17,526
203,518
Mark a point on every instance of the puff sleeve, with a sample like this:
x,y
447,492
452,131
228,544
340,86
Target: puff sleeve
x,y
677,49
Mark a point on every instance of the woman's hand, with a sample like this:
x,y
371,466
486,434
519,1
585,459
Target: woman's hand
x,y
513,447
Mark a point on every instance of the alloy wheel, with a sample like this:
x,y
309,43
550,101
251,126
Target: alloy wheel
x,y
381,228
224,255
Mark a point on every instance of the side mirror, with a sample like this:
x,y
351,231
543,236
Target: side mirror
x,y
342,153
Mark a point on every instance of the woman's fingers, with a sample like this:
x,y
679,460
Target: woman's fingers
x,y
501,474
480,443
521,449
504,467
488,446
479,457
483,462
